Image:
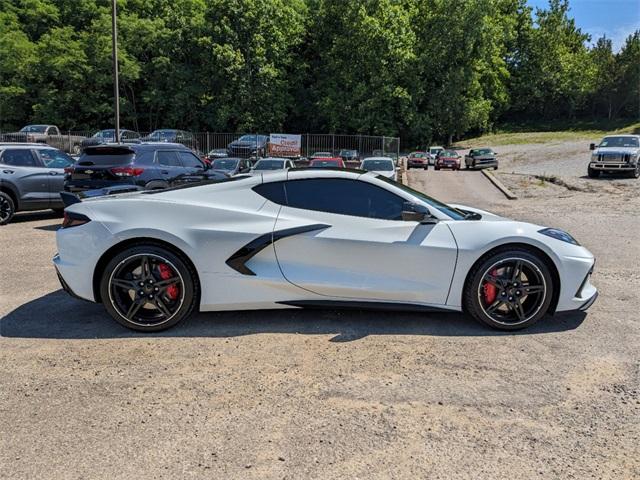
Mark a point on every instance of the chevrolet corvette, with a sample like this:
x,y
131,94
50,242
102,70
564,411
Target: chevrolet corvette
x,y
313,238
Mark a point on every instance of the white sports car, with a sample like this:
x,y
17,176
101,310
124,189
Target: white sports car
x,y
313,238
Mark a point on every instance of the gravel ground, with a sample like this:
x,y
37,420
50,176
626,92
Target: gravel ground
x,y
328,394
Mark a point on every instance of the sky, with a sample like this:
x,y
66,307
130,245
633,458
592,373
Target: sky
x,y
614,18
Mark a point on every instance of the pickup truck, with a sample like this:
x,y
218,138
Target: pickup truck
x,y
49,134
615,153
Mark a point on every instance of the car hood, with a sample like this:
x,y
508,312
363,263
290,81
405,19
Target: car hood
x,y
617,149
385,173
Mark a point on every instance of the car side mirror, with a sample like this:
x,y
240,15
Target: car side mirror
x,y
413,212
592,146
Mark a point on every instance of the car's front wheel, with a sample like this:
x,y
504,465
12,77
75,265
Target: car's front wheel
x,y
7,208
509,290
148,288
593,173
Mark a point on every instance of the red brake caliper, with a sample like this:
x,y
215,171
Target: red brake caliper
x,y
490,289
166,273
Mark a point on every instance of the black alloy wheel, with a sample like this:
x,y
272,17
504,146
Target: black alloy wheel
x,y
148,288
509,290
7,208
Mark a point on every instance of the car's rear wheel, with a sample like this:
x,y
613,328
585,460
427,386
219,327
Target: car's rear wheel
x,y
148,288
7,208
509,290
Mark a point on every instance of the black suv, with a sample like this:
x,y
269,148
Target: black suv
x,y
150,166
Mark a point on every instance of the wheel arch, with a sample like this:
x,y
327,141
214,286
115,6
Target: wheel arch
x,y
121,246
9,189
544,256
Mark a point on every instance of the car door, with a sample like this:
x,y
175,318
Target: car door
x,y
358,246
169,166
55,162
23,169
193,169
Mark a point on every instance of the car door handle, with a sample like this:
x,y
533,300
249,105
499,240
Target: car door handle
x,y
53,173
8,172
164,172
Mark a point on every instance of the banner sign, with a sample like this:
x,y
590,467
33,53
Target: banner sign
x,y
285,145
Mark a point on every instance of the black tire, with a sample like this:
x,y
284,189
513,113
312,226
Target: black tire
x,y
495,167
426,167
7,208
156,185
474,164
496,271
436,168
593,173
635,173
154,307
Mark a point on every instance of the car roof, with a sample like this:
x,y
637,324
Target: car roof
x,y
143,146
38,146
378,158
622,135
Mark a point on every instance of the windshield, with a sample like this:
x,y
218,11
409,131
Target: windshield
x,y
251,138
619,142
224,164
106,134
269,165
324,163
432,202
448,153
321,154
34,128
347,152
163,135
417,155
482,151
378,165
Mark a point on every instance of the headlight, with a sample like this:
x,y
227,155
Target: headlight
x,y
558,235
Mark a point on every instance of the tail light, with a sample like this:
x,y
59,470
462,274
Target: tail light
x,y
127,171
68,170
72,219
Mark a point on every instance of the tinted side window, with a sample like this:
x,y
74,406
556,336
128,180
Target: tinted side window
x,y
273,191
168,159
344,197
19,158
55,158
190,160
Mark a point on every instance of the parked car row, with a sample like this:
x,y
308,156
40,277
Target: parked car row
x,y
441,158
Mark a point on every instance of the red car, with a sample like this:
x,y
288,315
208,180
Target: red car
x,y
418,160
326,162
448,159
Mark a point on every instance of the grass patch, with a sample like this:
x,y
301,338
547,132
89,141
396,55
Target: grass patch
x,y
516,135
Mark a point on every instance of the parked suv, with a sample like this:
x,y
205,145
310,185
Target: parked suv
x,y
150,166
109,136
249,146
31,178
616,153
169,135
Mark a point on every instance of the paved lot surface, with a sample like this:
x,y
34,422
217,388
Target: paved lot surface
x,y
466,187
327,394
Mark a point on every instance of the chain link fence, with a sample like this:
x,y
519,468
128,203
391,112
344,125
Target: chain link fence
x,y
205,143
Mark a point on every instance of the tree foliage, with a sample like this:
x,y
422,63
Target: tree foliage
x,y
422,69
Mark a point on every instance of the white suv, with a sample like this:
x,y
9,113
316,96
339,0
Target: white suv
x,y
616,153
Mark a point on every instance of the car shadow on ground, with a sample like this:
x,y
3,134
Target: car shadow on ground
x,y
35,216
58,316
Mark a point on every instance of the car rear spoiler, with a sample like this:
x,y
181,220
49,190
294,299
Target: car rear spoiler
x,y
69,198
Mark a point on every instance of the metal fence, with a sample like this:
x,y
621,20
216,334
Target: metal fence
x,y
205,142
